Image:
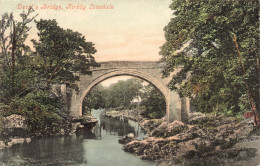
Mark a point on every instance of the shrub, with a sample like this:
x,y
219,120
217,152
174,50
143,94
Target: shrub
x,y
41,112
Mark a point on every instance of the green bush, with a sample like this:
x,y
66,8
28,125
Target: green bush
x,y
41,112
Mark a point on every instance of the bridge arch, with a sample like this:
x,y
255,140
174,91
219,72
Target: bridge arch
x,y
135,73
176,108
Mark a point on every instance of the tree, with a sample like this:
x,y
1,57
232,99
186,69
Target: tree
x,y
27,77
153,102
122,93
214,45
13,34
61,53
95,99
14,55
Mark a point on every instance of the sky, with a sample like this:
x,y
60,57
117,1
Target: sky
x,y
132,30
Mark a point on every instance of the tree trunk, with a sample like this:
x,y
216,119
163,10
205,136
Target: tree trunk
x,y
13,52
249,91
258,68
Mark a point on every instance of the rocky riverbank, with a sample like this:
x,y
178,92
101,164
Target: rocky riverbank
x,y
205,139
14,129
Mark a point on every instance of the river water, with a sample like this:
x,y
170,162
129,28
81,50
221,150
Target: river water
x,y
97,148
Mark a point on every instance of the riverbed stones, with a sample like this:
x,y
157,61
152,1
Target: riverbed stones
x,y
127,138
137,147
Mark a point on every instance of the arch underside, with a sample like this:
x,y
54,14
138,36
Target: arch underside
x,y
119,72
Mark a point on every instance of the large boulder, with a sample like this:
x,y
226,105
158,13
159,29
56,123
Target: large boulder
x,y
15,126
166,130
150,125
137,147
127,138
82,124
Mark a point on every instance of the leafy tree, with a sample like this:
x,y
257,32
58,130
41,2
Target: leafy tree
x,y
122,93
61,53
14,53
214,46
13,35
153,102
95,99
27,77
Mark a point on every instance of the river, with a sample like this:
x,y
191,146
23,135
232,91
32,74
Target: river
x,y
97,148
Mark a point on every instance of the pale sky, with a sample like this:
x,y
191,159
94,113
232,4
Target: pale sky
x,y
133,30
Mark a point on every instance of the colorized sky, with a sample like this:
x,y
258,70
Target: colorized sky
x,y
132,30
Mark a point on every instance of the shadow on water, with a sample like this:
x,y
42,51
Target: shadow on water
x,y
97,148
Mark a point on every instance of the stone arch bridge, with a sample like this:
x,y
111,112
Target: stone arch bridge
x,y
176,108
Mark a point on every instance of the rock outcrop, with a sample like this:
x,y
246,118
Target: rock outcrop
x,y
14,126
14,131
84,123
127,138
174,141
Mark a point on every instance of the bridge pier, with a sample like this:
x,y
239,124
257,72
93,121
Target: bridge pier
x,y
173,107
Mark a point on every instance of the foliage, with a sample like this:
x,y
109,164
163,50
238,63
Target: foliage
x,y
14,55
41,111
95,99
7,37
122,93
26,77
120,96
60,53
213,47
154,103
117,96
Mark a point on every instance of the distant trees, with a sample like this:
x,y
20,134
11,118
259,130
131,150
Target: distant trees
x,y
95,99
216,45
121,95
118,95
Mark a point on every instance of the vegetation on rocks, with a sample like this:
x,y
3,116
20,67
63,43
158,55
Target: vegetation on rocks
x,y
178,141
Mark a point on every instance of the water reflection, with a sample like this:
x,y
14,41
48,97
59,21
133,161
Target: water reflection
x,y
119,126
47,151
97,148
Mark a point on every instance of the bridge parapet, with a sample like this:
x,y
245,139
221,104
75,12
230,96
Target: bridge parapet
x,y
130,64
